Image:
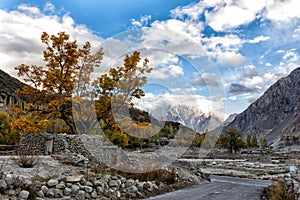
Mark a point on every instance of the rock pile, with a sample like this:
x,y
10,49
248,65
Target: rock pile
x,y
77,187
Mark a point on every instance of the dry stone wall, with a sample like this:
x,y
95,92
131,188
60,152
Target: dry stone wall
x,y
95,148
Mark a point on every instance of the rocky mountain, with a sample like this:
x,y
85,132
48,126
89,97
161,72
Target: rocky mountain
x,y
229,119
192,118
276,113
8,86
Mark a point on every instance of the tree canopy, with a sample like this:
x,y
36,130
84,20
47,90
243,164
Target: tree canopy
x,y
232,140
61,87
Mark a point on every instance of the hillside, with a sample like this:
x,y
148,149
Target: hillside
x,y
8,86
276,113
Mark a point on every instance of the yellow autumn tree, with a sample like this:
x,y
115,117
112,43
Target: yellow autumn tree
x,y
50,87
62,89
115,91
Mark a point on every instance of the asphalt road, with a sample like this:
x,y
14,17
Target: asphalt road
x,y
221,188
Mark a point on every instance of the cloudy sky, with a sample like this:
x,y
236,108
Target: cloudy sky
x,y
215,56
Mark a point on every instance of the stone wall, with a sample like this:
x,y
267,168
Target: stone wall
x,y
96,148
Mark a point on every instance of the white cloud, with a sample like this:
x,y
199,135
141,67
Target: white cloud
x,y
191,11
280,51
270,76
225,49
291,55
231,59
143,21
268,64
29,9
254,5
255,81
282,11
259,39
187,29
207,80
229,17
165,37
232,98
166,72
20,32
49,7
157,105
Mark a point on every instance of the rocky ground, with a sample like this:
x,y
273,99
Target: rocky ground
x,y
52,179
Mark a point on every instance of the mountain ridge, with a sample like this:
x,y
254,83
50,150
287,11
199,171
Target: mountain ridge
x,y
275,113
195,119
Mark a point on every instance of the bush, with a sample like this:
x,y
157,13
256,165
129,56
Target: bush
x,y
25,159
277,191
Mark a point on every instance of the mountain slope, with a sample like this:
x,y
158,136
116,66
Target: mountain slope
x,y
275,113
9,84
8,87
194,119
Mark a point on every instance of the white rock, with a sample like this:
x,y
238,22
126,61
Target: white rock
x,y
73,179
52,182
24,194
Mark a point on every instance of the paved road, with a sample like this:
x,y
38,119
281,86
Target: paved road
x,y
221,188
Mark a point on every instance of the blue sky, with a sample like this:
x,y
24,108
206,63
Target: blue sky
x,y
215,56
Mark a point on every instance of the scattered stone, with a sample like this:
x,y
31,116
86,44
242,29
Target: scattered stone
x,y
24,194
97,183
148,186
113,183
140,185
118,194
80,195
52,182
50,193
61,186
3,185
74,179
94,194
67,191
40,194
62,179
88,189
129,183
106,177
9,179
11,192
69,185
27,182
58,193
75,189
87,196
89,184
99,190
44,189
132,189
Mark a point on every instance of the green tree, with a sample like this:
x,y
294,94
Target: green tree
x,y
263,143
254,141
232,140
248,141
7,135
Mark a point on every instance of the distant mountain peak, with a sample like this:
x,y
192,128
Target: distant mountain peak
x,y
192,118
